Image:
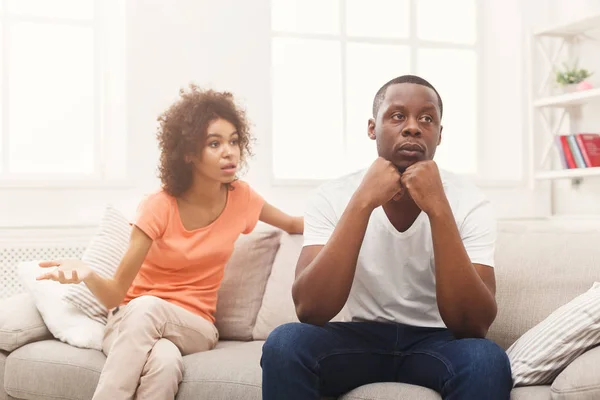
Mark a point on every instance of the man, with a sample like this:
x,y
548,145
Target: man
x,y
409,250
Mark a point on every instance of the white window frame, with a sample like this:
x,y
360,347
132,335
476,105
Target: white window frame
x,y
414,44
106,14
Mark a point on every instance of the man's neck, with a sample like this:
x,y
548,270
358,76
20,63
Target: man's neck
x,y
402,213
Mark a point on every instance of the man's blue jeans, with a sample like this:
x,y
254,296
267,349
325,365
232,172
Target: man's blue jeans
x,y
305,362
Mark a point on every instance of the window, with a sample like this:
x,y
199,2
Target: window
x,y
62,82
329,58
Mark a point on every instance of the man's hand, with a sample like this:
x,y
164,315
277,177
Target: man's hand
x,y
380,184
423,182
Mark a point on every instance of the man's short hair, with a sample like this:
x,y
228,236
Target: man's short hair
x,y
403,79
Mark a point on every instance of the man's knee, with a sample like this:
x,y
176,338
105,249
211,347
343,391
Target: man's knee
x,y
488,360
285,343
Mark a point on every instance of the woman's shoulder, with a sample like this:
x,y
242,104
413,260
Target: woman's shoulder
x,y
240,188
157,199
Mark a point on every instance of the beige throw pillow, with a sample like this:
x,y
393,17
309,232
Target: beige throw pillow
x,y
246,274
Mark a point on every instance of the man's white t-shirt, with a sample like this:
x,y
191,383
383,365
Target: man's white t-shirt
x,y
395,272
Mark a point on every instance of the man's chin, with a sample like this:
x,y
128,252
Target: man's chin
x,y
404,164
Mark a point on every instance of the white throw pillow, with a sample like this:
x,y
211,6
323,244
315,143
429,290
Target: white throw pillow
x,y
545,350
103,255
66,322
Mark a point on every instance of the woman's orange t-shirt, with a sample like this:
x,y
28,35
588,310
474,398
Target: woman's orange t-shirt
x,y
186,267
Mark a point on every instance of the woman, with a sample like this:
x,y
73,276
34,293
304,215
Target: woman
x,y
164,293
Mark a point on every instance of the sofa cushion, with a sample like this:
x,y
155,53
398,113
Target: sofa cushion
x,y
3,394
391,391
530,393
47,369
580,380
20,322
537,258
230,372
52,369
243,286
278,306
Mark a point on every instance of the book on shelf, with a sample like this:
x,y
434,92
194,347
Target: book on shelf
x,y
579,150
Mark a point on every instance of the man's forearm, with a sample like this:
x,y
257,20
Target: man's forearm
x,y
466,304
322,288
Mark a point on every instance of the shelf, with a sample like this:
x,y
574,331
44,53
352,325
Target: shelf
x,y
572,28
569,99
569,173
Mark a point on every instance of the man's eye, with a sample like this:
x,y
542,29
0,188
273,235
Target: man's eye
x,y
427,118
398,116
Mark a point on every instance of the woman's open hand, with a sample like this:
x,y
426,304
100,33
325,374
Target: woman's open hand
x,y
66,271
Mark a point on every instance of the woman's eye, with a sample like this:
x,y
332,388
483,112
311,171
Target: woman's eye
x,y
235,142
214,144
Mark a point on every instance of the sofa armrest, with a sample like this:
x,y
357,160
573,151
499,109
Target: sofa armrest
x,y
580,380
20,322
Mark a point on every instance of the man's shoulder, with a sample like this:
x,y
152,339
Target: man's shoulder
x,y
459,186
463,194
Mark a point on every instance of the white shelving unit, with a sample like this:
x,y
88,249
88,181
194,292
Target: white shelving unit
x,y
551,108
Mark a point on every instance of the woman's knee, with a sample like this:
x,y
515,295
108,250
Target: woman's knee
x,y
142,311
164,358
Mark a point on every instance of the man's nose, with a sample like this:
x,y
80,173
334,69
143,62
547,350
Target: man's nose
x,y
411,128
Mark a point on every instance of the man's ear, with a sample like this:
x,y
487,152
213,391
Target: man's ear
x,y
371,129
440,137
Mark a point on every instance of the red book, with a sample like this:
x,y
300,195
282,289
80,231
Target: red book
x,y
568,154
589,144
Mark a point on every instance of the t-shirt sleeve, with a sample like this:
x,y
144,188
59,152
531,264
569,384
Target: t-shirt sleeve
x,y
319,220
254,207
152,215
478,233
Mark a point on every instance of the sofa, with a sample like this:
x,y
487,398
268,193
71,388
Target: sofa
x,y
541,265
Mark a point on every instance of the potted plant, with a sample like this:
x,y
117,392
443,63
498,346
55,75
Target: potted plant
x,y
573,78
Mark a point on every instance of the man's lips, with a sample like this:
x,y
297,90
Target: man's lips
x,y
411,150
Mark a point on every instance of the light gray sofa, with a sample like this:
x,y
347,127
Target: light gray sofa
x,y
540,266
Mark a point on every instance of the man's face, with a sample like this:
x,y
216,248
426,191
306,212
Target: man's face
x,y
407,127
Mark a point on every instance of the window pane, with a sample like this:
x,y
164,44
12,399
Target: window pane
x,y
306,16
369,67
456,83
1,98
447,21
378,18
75,9
307,109
51,99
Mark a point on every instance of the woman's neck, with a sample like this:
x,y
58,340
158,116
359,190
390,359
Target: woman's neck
x,y
204,192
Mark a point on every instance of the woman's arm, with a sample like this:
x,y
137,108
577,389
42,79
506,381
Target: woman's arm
x,y
110,291
277,218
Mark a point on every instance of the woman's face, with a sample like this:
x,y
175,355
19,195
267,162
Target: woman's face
x,y
218,157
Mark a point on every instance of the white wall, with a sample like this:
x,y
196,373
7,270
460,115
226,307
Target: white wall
x,y
226,44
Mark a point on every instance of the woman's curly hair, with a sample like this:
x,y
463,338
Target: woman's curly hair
x,y
183,127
